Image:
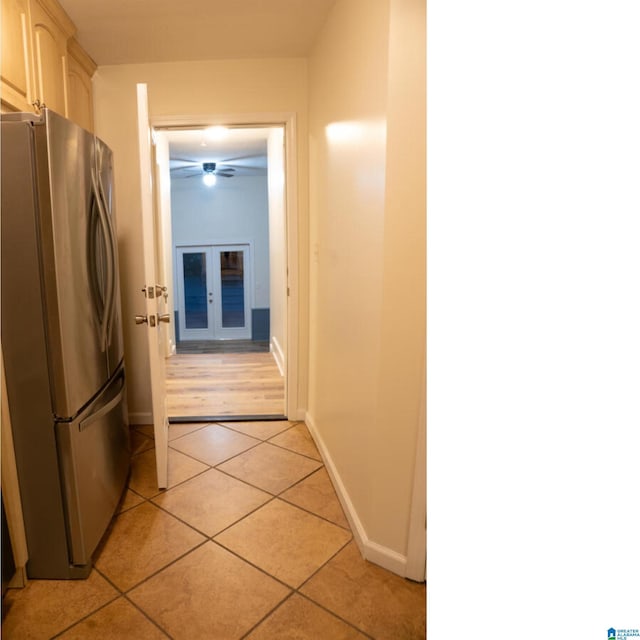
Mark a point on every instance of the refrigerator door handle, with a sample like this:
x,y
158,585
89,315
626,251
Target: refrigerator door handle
x,y
106,408
106,313
114,252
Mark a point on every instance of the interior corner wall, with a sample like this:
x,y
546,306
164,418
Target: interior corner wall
x,y
215,87
365,218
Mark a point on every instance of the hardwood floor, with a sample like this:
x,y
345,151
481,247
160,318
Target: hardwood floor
x,y
224,384
223,346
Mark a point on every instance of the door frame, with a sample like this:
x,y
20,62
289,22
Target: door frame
x,y
288,121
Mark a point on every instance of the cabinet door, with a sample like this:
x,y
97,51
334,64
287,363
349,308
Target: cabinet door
x,y
50,60
80,100
16,56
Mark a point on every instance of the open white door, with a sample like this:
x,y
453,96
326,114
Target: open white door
x,y
156,300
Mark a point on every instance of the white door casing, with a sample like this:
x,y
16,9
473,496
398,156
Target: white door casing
x,y
156,306
295,394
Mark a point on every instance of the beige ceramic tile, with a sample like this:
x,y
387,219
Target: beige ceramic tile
x,y
142,541
297,439
300,619
376,601
140,442
262,430
270,468
144,480
316,494
209,593
129,500
44,608
288,543
119,620
182,429
212,501
213,444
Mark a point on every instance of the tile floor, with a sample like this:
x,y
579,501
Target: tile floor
x,y
249,541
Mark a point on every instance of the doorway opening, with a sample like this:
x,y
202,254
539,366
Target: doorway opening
x,y
227,247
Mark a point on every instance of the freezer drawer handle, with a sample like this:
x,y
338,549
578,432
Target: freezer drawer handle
x,y
103,410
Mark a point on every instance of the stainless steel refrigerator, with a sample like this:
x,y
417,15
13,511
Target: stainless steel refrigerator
x,y
62,338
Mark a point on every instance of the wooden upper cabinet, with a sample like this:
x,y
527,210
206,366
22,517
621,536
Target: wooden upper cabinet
x,y
51,28
42,64
80,69
15,70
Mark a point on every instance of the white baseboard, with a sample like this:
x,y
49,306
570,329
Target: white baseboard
x,y
141,418
278,355
370,550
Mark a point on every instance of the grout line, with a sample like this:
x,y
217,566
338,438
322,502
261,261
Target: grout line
x,y
255,566
334,614
147,616
88,615
285,448
161,569
317,515
268,615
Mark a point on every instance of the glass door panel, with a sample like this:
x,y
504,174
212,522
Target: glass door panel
x,y
194,268
232,303
195,291
232,288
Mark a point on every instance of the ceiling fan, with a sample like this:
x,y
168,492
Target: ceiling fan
x,y
195,169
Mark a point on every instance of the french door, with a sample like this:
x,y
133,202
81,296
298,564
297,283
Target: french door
x,y
214,300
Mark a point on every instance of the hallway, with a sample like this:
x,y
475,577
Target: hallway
x,y
249,541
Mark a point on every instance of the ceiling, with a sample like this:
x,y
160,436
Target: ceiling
x,y
137,31
146,31
244,149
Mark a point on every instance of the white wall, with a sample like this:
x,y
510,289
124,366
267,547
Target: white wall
x,y
234,210
367,247
217,87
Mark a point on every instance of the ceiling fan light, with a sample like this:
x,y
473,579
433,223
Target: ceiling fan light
x,y
216,133
209,179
